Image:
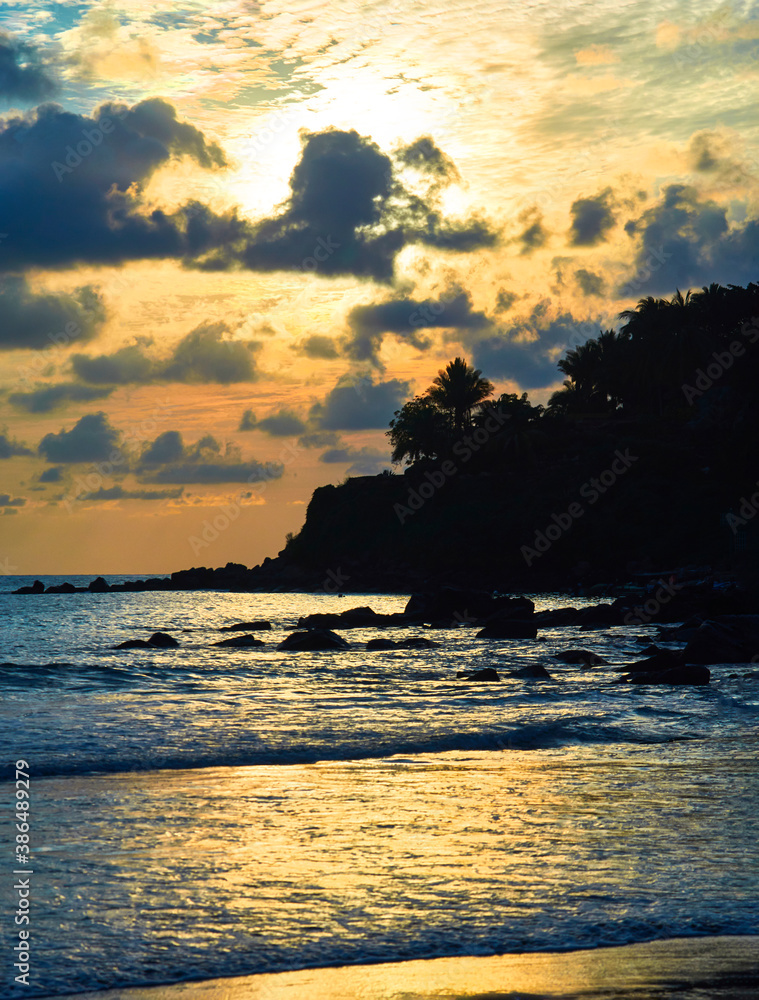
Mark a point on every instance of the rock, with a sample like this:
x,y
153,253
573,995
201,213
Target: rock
x,y
580,656
314,639
381,644
686,674
258,626
486,674
533,670
158,640
98,586
61,588
509,630
729,639
556,618
352,618
418,642
662,659
240,641
453,604
38,587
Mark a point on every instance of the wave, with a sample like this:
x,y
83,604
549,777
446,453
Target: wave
x,y
558,734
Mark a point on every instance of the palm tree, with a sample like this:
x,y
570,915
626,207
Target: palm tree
x,y
457,389
419,430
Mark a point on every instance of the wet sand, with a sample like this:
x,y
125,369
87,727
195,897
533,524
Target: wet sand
x,y
708,968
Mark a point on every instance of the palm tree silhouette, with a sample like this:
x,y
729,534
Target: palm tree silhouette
x,y
457,389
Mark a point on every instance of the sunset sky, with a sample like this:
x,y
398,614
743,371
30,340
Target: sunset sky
x,y
235,237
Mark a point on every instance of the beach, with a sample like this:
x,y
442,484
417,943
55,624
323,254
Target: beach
x,y
323,822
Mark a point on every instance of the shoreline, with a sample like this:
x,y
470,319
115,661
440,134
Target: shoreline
x,y
726,966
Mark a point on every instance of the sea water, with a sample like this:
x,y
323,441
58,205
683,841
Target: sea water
x,y
206,811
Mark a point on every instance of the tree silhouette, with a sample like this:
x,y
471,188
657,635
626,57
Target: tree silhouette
x,y
419,430
457,389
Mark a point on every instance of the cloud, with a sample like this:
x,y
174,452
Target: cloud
x,y
527,352
71,186
247,421
35,320
119,493
205,355
7,501
364,461
348,213
317,347
592,218
684,241
319,439
426,157
168,460
217,472
590,283
403,318
534,235
505,300
92,439
24,74
9,448
52,475
284,423
46,398
359,403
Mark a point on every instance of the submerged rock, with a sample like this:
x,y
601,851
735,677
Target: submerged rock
x,y
533,670
509,629
258,626
580,656
485,674
417,642
238,641
728,639
381,644
314,639
686,674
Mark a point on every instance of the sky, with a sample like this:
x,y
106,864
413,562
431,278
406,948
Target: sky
x,y
235,237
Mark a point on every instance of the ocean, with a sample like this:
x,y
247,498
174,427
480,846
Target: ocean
x,y
204,811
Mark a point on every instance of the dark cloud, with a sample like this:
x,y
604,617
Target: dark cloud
x,y
167,460
707,151
363,461
348,214
589,282
404,318
359,403
426,157
46,398
319,439
685,241
7,501
247,421
52,475
592,218
206,354
317,347
167,447
527,352
285,423
505,300
9,449
216,472
92,439
71,187
35,320
119,493
534,235
24,74
127,365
